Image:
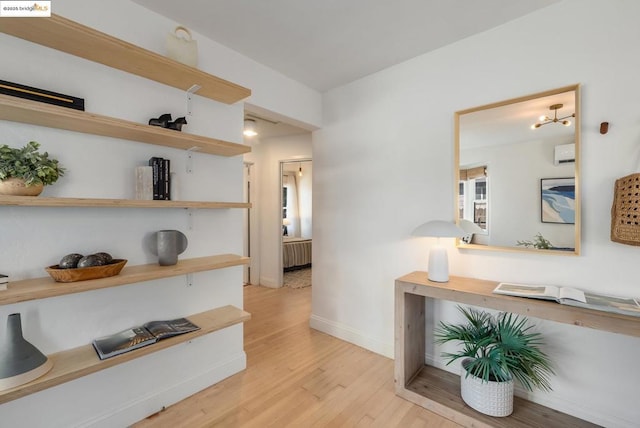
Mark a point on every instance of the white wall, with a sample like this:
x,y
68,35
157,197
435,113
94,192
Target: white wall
x,y
384,161
267,155
32,238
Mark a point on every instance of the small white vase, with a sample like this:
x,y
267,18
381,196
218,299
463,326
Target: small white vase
x,y
490,398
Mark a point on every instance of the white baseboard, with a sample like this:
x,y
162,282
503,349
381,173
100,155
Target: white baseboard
x,y
157,400
350,335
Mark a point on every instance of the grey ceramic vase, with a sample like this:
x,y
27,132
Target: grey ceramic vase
x,y
19,358
170,243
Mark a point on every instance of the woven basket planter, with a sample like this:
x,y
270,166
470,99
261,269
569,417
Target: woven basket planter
x,y
490,398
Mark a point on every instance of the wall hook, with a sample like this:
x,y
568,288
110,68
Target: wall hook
x,y
604,127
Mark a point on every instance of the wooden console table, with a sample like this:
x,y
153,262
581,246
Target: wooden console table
x,y
438,390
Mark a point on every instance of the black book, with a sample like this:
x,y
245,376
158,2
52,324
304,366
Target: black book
x,y
155,165
161,174
166,179
137,337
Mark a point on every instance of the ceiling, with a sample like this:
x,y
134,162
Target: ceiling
x,y
329,43
325,44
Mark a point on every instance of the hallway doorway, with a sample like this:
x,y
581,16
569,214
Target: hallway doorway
x,y
296,178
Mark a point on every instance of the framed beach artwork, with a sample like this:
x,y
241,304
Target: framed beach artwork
x,y
557,200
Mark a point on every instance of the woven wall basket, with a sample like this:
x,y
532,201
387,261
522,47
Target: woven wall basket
x,y
625,212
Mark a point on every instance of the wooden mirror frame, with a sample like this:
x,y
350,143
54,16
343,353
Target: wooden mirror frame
x,y
577,120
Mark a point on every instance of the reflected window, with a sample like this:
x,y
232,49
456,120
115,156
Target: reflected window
x,y
473,195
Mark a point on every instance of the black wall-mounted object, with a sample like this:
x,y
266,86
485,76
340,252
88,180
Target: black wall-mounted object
x,y
41,95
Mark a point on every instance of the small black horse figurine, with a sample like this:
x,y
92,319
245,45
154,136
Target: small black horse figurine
x,y
162,121
177,124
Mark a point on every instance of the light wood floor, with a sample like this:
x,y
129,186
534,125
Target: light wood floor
x,y
298,377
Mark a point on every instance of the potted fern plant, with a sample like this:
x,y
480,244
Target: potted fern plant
x,y
496,350
25,171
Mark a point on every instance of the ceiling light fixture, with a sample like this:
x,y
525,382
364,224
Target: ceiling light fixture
x,y
300,170
544,120
250,128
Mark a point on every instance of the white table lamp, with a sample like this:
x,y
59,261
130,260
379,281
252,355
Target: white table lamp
x,y
438,259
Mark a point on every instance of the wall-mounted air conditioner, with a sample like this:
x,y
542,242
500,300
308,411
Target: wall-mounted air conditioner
x,y
564,153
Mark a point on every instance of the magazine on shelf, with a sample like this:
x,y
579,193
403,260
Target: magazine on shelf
x,y
572,297
137,337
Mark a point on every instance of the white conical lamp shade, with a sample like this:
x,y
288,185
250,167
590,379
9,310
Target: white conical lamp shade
x,y
438,229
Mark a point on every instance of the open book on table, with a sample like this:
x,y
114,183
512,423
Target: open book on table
x,y
137,337
573,297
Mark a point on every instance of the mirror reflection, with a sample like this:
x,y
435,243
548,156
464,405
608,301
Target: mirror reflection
x,y
297,215
518,163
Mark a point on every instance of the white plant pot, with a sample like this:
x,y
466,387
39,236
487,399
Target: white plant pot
x,y
490,398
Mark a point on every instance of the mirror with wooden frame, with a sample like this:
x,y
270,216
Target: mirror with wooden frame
x,y
517,173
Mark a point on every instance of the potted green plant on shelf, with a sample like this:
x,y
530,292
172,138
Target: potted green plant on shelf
x,y
25,171
495,351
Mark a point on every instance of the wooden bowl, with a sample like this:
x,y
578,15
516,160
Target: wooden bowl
x,y
83,274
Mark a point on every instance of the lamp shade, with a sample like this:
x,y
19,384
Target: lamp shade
x,y
286,222
20,361
470,227
438,229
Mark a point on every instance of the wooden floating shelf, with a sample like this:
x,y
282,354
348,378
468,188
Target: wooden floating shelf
x,y
78,362
36,113
31,201
71,37
42,288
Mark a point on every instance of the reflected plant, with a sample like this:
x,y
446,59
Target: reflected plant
x,y
539,242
